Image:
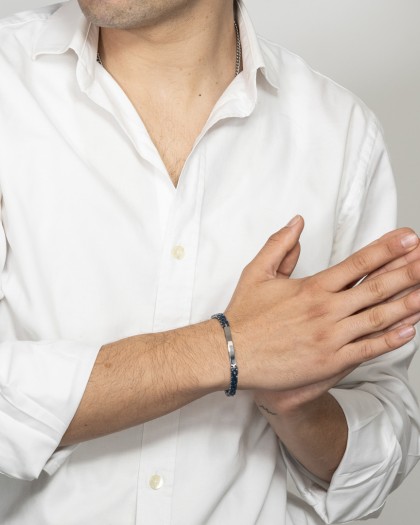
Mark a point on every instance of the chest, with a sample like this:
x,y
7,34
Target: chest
x,y
94,225
173,135
173,121
174,130
103,232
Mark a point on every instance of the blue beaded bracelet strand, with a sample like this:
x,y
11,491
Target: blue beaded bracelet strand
x,y
231,391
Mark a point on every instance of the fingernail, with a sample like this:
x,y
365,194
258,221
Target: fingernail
x,y
406,331
409,240
293,221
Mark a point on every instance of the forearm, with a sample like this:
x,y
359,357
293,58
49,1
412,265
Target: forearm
x,y
141,378
314,434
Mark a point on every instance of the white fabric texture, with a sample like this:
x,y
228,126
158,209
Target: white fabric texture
x,y
90,220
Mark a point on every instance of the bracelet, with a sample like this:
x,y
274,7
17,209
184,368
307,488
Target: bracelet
x,y
231,391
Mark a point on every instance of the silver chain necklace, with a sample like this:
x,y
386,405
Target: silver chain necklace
x,y
238,51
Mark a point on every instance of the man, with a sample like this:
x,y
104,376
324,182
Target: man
x,y
149,150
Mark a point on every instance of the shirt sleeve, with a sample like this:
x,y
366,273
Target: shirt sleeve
x,y
380,407
41,385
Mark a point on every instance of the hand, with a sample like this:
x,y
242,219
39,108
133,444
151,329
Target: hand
x,y
292,333
271,402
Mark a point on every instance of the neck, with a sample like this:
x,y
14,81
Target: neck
x,y
183,52
174,71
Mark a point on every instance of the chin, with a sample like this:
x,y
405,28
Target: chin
x,y
130,14
108,13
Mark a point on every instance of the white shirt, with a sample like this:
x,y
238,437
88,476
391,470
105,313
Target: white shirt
x,y
98,245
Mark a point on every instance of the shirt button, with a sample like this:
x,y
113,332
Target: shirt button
x,y
178,252
156,482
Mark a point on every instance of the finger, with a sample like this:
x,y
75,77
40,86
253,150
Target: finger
x,y
288,264
368,259
403,293
414,255
412,320
390,266
364,350
390,285
381,317
267,262
387,236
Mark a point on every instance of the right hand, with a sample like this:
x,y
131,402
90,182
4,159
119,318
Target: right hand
x,y
291,333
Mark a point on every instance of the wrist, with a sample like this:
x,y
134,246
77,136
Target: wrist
x,y
287,405
208,361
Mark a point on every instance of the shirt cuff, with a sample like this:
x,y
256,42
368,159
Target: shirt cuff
x,y
41,386
58,458
366,473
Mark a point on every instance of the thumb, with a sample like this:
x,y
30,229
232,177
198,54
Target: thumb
x,y
279,255
288,264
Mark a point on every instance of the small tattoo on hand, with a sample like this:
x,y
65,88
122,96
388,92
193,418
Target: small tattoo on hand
x,y
266,410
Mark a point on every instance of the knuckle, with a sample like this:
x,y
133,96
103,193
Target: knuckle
x,y
248,274
412,301
318,311
304,287
359,262
377,289
391,248
272,240
376,318
366,350
407,302
275,238
246,271
389,341
318,306
321,337
311,286
413,272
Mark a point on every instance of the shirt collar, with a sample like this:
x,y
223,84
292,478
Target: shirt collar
x,y
253,57
67,28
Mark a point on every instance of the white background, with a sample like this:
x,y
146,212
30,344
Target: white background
x,y
373,48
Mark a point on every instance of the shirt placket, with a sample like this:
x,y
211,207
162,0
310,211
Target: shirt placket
x,y
172,309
